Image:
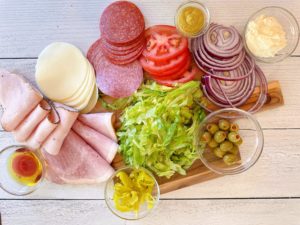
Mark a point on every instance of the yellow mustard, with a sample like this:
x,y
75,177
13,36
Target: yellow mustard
x,y
190,20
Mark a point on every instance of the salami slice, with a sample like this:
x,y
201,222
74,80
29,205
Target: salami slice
x,y
95,54
125,49
119,81
121,23
123,59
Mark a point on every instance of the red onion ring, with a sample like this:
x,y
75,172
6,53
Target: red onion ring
x,y
224,103
230,73
222,41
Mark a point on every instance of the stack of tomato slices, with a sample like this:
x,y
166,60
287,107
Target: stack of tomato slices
x,y
166,57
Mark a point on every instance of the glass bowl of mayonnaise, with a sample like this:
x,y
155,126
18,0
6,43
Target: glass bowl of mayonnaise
x,y
271,34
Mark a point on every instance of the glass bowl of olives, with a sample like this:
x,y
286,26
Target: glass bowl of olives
x,y
231,141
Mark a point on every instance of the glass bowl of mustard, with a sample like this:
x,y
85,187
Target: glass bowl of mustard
x,y
192,19
21,170
271,34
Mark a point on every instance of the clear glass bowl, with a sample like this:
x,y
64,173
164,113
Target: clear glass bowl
x,y
200,6
249,151
10,185
290,26
144,211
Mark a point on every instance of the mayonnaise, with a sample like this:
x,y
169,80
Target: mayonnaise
x,y
265,36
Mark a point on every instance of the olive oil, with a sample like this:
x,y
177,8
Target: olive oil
x,y
25,167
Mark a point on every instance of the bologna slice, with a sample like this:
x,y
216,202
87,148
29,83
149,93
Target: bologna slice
x,y
77,163
17,98
121,23
106,147
55,140
101,122
43,130
118,81
27,126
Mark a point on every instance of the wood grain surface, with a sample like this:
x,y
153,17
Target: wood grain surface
x,y
269,193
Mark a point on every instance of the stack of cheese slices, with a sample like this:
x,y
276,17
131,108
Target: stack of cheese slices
x,y
64,75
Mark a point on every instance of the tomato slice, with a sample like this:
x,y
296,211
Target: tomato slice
x,y
186,77
164,43
164,68
176,74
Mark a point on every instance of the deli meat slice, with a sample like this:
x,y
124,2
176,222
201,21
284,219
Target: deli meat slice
x,y
118,81
76,163
106,147
27,126
101,122
121,22
43,130
17,97
55,140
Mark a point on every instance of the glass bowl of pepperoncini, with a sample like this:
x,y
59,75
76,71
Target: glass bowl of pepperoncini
x,y
192,19
131,193
21,170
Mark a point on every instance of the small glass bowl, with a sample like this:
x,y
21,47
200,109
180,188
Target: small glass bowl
x,y
7,183
200,6
290,26
249,151
109,192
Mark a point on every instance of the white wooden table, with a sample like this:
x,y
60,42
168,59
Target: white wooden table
x,y
269,193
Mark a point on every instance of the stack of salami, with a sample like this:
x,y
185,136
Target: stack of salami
x,y
114,55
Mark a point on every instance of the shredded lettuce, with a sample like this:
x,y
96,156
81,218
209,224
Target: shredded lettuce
x,y
159,128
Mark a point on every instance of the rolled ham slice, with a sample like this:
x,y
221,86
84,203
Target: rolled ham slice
x,y
43,130
67,116
17,97
29,124
101,122
76,163
106,147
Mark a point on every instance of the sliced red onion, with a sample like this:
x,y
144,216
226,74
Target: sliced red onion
x,y
225,102
230,73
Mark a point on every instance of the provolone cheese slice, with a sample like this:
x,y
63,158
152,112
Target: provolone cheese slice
x,y
60,71
85,84
92,101
84,98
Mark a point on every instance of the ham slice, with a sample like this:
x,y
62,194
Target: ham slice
x,y
101,122
67,116
43,130
76,163
106,147
17,97
27,126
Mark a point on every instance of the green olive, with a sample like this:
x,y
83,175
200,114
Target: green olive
x,y
213,143
220,136
224,124
234,127
212,128
234,150
239,142
233,137
219,153
229,159
226,146
206,137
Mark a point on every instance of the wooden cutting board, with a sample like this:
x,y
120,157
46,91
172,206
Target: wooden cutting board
x,y
198,172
